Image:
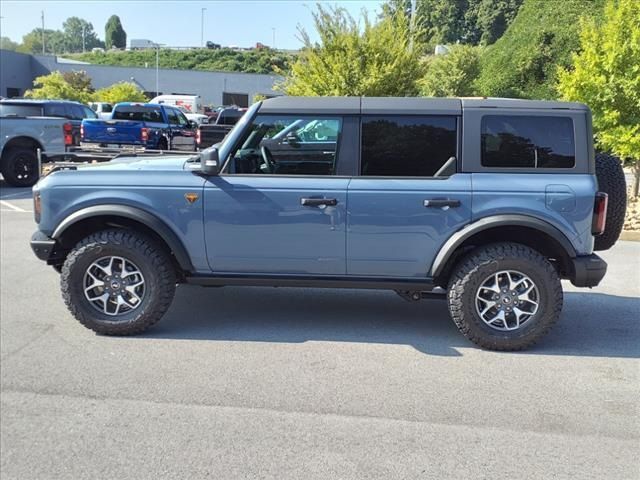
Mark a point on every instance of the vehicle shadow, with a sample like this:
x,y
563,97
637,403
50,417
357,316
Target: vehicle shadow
x,y
13,193
592,324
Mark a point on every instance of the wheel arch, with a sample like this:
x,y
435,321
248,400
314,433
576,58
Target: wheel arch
x,y
533,232
84,221
22,141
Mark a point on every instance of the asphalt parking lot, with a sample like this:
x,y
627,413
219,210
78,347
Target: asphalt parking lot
x,y
311,384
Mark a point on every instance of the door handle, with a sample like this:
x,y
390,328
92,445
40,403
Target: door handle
x,y
441,202
317,202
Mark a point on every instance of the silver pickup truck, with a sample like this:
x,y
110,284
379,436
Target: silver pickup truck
x,y
20,139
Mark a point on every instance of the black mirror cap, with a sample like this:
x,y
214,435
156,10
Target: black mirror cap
x,y
209,161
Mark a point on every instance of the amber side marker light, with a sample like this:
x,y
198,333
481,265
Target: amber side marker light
x,y
191,197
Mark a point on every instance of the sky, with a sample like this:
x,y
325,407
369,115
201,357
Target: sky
x,y
178,23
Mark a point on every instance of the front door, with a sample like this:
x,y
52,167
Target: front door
x,y
408,198
273,214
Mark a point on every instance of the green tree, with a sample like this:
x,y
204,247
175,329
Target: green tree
x,y
7,44
485,21
73,28
54,86
370,59
114,34
120,92
79,80
32,41
523,62
606,76
452,74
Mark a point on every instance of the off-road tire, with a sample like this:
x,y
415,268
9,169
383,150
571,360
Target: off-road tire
x,y
476,267
611,181
152,260
10,170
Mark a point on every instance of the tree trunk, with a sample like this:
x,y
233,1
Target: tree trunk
x,y
636,179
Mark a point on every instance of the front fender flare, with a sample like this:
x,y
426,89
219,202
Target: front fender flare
x,y
450,246
136,214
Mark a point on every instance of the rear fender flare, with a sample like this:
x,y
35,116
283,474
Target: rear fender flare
x,y
458,238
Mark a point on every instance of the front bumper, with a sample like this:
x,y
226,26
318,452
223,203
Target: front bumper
x,y
587,271
42,245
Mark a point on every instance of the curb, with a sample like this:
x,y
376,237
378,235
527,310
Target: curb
x,y
630,235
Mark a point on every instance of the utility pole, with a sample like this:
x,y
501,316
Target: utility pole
x,y
157,69
83,37
42,31
412,27
202,27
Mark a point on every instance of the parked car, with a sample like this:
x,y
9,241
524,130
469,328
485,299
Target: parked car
x,y
487,203
102,109
213,132
20,139
75,112
144,125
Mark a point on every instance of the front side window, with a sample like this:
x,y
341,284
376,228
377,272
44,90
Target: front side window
x,y
518,141
408,146
288,145
172,116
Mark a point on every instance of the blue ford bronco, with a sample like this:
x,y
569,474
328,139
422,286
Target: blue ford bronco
x,y
488,203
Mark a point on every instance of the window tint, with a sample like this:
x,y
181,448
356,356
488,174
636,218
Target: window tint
x,y
139,113
527,142
182,120
172,116
88,113
55,110
18,110
408,146
288,145
77,112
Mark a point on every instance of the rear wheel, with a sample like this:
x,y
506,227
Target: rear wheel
x,y
117,282
20,167
504,296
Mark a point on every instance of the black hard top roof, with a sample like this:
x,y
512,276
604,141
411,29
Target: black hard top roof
x,y
402,105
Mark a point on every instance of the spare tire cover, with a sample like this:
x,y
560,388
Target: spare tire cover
x,y
612,182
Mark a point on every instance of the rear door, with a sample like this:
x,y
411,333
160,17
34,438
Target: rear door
x,y
409,197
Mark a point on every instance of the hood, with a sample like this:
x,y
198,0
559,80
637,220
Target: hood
x,y
160,162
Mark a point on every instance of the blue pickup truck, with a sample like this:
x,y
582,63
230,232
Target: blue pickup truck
x,y
485,203
146,125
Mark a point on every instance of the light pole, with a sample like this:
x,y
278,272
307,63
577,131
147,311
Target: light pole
x,y
83,37
42,31
202,27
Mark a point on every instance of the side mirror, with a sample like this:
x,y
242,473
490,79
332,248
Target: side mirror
x,y
193,124
209,161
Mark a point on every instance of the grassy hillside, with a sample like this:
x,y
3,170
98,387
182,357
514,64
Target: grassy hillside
x,y
225,59
523,62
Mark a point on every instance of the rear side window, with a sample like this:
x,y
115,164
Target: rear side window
x,y
56,110
138,113
408,146
527,142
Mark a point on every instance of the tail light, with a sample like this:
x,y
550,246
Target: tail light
x,y
144,134
81,132
599,213
67,129
198,136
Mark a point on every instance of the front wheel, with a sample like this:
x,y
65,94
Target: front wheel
x,y
504,296
118,282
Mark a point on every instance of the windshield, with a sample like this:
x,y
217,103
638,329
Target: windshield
x,y
139,113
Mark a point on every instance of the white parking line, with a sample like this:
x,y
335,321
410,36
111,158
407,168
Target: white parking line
x,y
12,207
11,195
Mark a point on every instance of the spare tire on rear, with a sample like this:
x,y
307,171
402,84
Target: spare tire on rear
x,y
612,182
